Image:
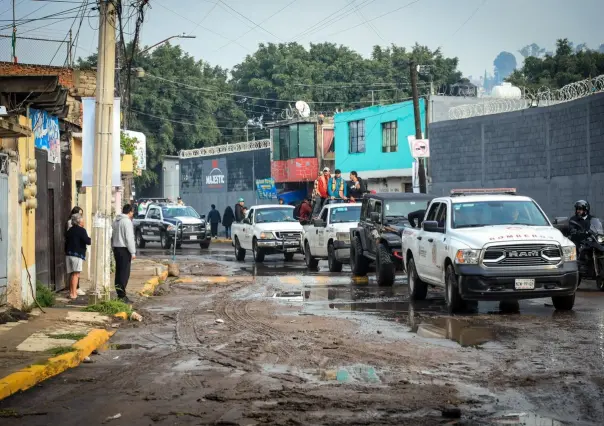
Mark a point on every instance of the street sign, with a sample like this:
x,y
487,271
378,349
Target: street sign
x,y
420,148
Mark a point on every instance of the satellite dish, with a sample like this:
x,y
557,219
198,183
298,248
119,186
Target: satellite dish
x,y
303,109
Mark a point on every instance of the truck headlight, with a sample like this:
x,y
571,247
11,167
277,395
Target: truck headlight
x,y
601,239
569,253
170,228
467,257
343,236
207,225
267,236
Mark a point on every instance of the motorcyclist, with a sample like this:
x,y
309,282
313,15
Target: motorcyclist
x,y
579,224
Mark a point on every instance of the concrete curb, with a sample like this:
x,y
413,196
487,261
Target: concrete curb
x,y
221,240
150,285
31,376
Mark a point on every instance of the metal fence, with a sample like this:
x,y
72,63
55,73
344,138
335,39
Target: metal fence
x,y
36,51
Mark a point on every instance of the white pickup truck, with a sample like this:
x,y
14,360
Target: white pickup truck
x,y
328,237
489,245
267,229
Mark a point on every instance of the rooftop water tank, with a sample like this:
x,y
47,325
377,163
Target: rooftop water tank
x,y
507,91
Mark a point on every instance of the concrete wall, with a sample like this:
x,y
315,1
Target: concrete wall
x,y
553,154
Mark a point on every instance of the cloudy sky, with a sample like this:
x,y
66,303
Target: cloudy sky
x,y
227,30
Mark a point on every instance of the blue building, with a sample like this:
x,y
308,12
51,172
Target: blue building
x,y
373,141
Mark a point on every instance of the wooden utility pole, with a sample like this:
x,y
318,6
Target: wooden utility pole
x,y
14,35
418,125
103,141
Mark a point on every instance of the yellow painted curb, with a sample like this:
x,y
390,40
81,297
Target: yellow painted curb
x,y
121,315
31,376
221,240
149,287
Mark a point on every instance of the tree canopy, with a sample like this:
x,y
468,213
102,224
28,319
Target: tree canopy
x,y
182,103
567,65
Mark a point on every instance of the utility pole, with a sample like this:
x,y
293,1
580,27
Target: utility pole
x,y
101,187
372,98
14,35
418,125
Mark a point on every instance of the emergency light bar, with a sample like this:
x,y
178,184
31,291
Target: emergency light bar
x,y
483,191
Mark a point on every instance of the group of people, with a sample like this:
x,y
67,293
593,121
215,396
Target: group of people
x,y
122,243
334,188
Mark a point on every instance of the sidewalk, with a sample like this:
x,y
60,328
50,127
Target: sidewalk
x,y
40,345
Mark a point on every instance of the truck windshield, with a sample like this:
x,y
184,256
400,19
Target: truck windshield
x,y
275,214
171,212
345,214
401,209
492,213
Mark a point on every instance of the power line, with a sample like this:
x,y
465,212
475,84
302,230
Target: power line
x,y
187,123
257,25
249,20
369,24
469,17
204,18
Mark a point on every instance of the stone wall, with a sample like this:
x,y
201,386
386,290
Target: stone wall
x,y
553,154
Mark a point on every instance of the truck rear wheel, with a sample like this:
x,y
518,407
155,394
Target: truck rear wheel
x,y
385,267
140,242
417,288
564,303
258,253
239,252
454,301
311,262
358,262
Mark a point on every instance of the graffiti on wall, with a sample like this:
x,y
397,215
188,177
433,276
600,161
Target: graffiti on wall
x,y
46,134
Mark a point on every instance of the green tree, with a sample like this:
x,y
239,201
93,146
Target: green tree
x,y
532,50
566,65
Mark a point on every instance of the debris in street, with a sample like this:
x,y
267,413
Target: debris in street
x,y
219,321
88,360
121,315
117,416
451,412
136,316
173,270
379,332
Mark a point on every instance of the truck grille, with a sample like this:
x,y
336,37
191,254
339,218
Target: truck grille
x,y
522,255
288,235
191,228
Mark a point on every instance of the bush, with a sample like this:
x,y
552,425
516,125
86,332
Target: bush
x,y
44,295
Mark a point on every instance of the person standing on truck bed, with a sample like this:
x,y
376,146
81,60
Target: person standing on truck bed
x,y
321,186
418,216
214,219
239,216
356,187
336,187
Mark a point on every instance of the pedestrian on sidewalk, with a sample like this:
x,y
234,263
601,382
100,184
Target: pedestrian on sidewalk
x,y
124,250
76,241
239,215
75,210
214,219
228,217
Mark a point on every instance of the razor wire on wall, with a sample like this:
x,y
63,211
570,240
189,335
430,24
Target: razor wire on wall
x,y
545,96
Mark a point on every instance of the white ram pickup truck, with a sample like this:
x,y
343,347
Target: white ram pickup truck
x,y
489,245
267,229
328,237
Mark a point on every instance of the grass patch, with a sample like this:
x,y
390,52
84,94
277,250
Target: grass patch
x,y
111,307
60,350
68,336
44,295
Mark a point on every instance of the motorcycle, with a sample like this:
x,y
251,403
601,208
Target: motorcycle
x,y
590,253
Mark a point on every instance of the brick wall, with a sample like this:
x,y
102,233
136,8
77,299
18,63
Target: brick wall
x,y
553,154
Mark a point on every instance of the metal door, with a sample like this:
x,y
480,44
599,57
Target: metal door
x,y
42,220
3,227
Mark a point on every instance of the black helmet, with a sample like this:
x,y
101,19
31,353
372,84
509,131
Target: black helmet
x,y
583,205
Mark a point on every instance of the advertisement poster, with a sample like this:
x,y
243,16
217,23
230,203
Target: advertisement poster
x,y
141,148
88,136
266,189
46,134
214,177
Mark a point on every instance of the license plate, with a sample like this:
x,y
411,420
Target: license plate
x,y
193,237
291,249
525,284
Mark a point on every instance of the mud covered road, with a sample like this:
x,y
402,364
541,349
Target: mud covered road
x,y
240,344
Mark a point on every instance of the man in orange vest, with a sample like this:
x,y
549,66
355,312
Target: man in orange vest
x,y
320,192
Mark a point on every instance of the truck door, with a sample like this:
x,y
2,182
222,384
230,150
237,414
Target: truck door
x,y
375,206
248,230
152,224
426,246
441,242
320,245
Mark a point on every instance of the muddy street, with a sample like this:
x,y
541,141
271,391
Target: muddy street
x,y
243,344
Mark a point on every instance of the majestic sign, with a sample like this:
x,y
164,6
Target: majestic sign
x,y
214,175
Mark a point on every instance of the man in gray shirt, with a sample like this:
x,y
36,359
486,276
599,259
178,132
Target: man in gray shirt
x,y
124,250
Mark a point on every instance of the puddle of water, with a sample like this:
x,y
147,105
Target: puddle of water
x,y
454,329
525,419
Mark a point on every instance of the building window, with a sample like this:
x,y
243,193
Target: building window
x,y
308,141
293,141
389,137
284,143
276,149
356,136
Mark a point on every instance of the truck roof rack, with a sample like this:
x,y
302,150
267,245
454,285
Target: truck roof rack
x,y
483,191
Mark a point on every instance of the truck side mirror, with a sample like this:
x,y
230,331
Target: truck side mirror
x,y
203,216
432,226
247,221
318,223
375,217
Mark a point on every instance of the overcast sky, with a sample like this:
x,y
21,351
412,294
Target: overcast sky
x,y
473,30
